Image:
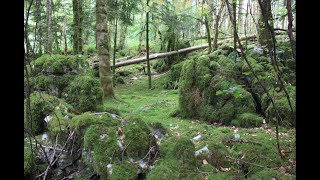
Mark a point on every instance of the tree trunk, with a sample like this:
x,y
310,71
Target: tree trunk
x,y
103,43
208,33
290,34
234,30
147,45
77,26
123,33
65,32
114,51
49,26
216,26
240,26
172,53
141,31
263,35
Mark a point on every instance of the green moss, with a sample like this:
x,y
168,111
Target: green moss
x,y
171,169
42,105
123,171
59,122
119,80
288,119
224,176
268,174
217,155
84,93
183,151
137,135
247,120
174,76
27,159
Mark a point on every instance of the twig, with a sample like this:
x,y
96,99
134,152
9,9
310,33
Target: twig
x,y
246,162
49,147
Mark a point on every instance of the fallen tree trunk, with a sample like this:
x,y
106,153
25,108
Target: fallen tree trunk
x,y
180,51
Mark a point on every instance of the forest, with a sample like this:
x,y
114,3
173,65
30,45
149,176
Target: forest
x,y
160,89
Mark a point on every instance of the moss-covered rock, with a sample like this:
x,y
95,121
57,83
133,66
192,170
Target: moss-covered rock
x,y
119,80
58,64
282,104
123,171
137,138
208,91
171,169
247,120
174,76
84,93
52,73
41,106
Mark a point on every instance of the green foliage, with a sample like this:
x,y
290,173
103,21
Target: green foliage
x,y
59,121
84,93
247,120
123,171
160,66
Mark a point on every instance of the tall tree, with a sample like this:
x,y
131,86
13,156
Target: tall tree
x,y
123,33
77,25
216,25
263,34
290,34
147,42
103,43
49,26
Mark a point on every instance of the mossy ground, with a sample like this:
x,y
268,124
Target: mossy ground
x,y
158,104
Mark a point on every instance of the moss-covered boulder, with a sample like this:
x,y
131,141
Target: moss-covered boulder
x,y
111,141
247,120
52,73
171,169
123,171
174,76
42,106
209,91
84,93
282,104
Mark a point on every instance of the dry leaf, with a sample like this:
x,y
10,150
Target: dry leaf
x,y
225,169
282,153
205,161
282,169
254,135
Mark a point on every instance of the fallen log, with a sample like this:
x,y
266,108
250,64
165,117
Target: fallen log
x,y
180,51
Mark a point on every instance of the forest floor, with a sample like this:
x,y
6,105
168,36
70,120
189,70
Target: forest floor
x,y
257,147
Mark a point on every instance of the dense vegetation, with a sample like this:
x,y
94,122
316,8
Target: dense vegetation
x,y
160,89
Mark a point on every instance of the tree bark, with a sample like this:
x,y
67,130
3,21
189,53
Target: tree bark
x,y
103,43
141,31
49,26
290,34
234,29
114,50
263,35
65,32
77,26
208,33
147,45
